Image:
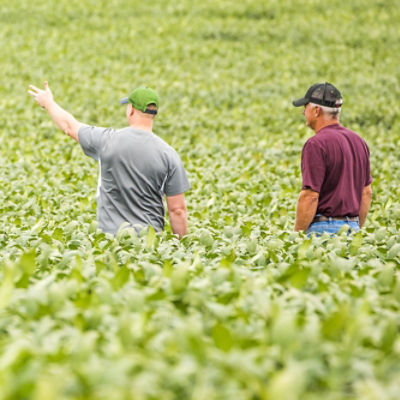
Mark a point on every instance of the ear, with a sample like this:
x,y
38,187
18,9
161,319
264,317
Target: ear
x,y
131,110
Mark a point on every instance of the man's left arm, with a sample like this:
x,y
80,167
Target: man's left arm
x,y
365,204
313,172
177,214
175,186
63,119
306,209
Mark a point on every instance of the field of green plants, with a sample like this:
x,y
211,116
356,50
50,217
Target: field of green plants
x,y
242,307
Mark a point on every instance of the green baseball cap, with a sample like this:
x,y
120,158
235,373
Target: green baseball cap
x,y
140,98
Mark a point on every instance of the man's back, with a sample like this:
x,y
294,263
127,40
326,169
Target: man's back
x,y
137,169
335,163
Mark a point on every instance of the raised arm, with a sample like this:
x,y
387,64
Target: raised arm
x,y
177,214
63,119
306,209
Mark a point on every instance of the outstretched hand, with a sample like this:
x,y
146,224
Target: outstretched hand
x,y
43,97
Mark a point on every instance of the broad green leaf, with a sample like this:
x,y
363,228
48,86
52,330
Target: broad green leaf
x,y
303,248
121,277
150,237
222,337
356,243
6,285
394,251
27,267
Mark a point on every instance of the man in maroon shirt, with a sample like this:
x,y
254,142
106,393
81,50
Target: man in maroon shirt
x,y
335,167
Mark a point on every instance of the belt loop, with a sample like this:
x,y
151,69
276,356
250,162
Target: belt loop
x,y
330,219
347,218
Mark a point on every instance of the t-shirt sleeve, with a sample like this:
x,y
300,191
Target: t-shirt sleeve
x,y
312,167
91,139
177,181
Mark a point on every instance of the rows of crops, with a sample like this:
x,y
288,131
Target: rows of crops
x,y
242,307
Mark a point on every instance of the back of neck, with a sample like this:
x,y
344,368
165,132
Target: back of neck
x,y
142,126
324,123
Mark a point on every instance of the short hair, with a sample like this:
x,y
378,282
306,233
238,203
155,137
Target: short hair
x,y
331,111
151,107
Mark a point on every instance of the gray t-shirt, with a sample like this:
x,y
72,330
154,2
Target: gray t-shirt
x,y
136,169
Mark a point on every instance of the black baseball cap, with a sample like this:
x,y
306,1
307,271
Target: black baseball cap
x,y
323,94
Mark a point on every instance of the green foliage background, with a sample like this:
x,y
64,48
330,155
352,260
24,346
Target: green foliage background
x,y
242,308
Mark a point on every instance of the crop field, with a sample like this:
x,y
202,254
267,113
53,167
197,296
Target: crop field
x,y
242,307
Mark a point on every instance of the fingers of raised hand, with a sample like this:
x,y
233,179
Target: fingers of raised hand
x,y
34,88
40,95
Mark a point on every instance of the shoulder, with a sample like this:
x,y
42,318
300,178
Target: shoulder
x,y
342,129
314,142
94,130
97,128
164,146
354,136
169,154
328,136
159,140
313,150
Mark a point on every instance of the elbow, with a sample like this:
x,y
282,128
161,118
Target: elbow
x,y
178,220
66,128
70,131
313,199
367,192
309,196
179,212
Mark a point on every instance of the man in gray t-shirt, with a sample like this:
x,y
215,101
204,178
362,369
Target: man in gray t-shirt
x,y
136,167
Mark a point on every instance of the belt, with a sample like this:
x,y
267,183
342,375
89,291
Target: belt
x,y
322,218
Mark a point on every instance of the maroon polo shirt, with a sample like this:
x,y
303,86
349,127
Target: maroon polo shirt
x,y
335,163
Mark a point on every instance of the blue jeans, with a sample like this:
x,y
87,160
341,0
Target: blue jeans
x,y
331,227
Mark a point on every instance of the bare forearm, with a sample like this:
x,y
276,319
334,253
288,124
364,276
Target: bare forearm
x,y
365,204
305,212
63,119
178,221
177,214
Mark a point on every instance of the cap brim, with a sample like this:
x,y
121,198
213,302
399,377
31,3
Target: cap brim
x,y
300,102
124,100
